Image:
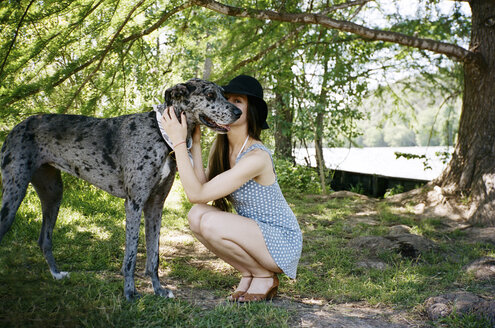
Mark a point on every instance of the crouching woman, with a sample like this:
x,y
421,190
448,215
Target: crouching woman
x,y
263,239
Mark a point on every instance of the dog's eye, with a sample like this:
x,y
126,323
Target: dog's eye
x,y
211,96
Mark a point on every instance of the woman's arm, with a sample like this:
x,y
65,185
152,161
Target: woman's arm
x,y
249,167
197,155
223,184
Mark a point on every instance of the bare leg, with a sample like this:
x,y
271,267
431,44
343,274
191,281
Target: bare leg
x,y
238,241
195,215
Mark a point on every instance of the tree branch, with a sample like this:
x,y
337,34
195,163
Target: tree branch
x,y
100,56
264,51
104,54
15,37
448,49
345,6
158,23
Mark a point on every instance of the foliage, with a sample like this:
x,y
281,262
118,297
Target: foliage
x,y
416,111
296,178
358,188
397,189
110,58
426,165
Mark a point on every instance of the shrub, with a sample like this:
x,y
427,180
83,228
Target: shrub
x,y
397,189
296,178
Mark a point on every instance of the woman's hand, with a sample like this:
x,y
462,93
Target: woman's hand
x,y
176,131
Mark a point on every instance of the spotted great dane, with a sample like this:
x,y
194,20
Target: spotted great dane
x,y
125,156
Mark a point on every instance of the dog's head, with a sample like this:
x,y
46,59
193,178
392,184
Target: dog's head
x,y
203,103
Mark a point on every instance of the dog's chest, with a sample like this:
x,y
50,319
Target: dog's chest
x,y
167,169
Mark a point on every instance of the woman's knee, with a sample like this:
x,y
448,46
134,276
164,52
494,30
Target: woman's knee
x,y
195,216
208,226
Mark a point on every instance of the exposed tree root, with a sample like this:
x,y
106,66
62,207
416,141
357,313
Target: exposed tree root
x,y
433,201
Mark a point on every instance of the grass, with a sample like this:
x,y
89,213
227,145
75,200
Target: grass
x,y
89,242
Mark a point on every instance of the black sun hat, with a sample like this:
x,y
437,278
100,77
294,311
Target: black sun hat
x,y
249,86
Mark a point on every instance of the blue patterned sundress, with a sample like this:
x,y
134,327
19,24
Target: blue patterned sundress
x,y
267,206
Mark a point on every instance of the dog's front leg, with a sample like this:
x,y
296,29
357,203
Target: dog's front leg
x,y
133,218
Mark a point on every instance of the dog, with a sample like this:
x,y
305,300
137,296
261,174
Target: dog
x,y
125,156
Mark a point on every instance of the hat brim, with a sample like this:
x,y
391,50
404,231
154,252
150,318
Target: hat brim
x,y
262,106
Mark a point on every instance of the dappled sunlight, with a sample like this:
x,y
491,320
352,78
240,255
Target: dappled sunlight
x,y
30,207
355,73
96,232
179,238
69,216
74,222
182,248
177,244
177,200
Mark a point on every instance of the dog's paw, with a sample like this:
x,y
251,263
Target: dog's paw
x,y
60,275
163,292
132,295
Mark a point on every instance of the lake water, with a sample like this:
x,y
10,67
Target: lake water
x,y
379,161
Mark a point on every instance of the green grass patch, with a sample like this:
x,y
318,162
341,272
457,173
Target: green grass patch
x,y
463,321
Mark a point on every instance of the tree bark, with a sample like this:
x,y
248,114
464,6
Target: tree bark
x,y
283,131
471,172
320,160
319,129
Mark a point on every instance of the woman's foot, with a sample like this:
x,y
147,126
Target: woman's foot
x,y
241,288
261,289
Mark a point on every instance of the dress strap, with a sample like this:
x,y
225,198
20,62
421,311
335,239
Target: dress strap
x,y
257,146
253,146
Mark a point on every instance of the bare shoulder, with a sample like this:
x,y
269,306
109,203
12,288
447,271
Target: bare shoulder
x,y
258,154
260,162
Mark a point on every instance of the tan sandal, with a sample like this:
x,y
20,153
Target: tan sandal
x,y
234,297
269,295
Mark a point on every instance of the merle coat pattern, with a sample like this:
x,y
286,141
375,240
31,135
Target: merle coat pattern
x,y
126,156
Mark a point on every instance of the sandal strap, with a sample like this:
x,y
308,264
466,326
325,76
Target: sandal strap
x,y
235,296
269,295
253,297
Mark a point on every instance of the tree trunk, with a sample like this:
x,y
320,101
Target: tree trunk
x,y
320,160
207,68
471,172
319,128
208,65
283,131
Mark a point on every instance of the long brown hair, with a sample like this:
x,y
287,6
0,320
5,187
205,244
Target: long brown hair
x,y
218,161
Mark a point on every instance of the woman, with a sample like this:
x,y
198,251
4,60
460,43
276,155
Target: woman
x,y
263,238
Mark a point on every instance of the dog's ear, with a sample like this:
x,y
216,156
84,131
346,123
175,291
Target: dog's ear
x,y
190,86
178,111
176,93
